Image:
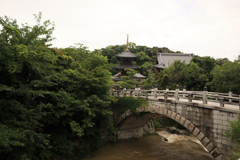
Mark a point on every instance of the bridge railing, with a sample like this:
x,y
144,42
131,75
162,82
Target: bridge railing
x,y
177,95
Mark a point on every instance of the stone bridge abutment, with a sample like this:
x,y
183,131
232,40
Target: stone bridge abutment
x,y
205,123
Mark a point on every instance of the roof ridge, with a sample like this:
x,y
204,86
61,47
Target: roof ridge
x,y
127,54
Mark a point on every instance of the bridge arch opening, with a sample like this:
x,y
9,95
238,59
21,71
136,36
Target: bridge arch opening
x,y
130,126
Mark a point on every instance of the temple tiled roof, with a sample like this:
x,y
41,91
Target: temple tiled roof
x,y
116,77
126,54
164,60
126,66
139,75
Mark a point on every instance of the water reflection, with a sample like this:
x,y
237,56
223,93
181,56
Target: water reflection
x,y
152,147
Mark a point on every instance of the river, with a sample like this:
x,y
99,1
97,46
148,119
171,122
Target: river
x,y
154,147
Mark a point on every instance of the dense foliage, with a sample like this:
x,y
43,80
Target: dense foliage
x,y
122,104
189,75
129,81
234,134
50,101
226,77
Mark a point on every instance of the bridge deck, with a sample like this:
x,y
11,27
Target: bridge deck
x,y
212,100
210,104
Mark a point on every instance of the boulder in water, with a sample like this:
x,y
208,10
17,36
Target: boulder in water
x,y
164,139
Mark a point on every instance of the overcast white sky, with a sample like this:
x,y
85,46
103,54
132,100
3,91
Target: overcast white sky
x,y
202,27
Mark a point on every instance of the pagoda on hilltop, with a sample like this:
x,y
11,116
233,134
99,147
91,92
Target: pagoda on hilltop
x,y
126,59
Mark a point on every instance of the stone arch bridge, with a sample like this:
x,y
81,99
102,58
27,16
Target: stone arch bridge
x,y
204,114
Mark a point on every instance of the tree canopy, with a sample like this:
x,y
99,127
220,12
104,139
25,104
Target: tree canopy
x,y
51,99
234,134
226,77
129,80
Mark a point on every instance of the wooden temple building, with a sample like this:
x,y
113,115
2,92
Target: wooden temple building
x,y
163,60
126,59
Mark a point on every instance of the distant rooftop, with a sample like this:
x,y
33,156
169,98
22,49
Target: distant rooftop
x,y
117,77
126,54
139,75
164,60
126,66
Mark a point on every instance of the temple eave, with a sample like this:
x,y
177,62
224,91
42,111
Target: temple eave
x,y
124,67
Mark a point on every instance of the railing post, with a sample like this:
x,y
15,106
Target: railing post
x,y
138,91
190,96
146,94
176,93
205,95
155,91
165,95
221,99
152,91
230,95
184,90
167,89
124,91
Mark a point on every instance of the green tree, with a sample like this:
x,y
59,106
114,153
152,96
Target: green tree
x,y
164,81
112,50
221,61
225,77
122,104
234,133
176,73
129,80
50,102
24,59
189,75
142,56
155,78
207,63
195,77
144,62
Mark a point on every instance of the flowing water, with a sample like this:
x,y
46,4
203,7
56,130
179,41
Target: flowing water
x,y
154,147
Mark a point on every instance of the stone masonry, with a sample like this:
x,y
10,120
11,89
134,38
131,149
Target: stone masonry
x,y
206,123
136,132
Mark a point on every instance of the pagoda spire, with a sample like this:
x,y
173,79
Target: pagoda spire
x,y
127,44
